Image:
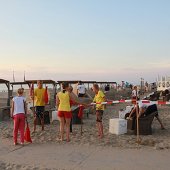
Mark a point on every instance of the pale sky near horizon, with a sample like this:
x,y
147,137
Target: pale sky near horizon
x,y
106,40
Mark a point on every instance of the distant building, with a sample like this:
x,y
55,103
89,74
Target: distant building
x,y
163,83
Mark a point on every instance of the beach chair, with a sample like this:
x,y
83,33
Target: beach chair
x,y
145,122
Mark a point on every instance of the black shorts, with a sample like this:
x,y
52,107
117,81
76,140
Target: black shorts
x,y
39,110
81,95
150,109
99,115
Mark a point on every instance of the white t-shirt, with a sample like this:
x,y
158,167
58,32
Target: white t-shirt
x,y
144,105
134,93
19,104
81,89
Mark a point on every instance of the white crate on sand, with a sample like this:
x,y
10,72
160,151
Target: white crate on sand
x,y
54,115
118,126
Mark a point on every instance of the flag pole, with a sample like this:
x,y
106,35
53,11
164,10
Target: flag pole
x,y
24,76
13,76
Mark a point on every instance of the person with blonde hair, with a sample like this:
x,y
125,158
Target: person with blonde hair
x,y
18,113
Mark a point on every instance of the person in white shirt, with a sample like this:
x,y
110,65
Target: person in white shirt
x,y
135,93
18,113
81,89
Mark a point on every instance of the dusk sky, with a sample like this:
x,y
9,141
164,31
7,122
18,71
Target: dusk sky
x,y
106,40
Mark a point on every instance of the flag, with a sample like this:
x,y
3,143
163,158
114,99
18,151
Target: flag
x,y
80,114
32,90
46,95
27,136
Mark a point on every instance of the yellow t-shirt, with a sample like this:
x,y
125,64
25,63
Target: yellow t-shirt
x,y
39,97
99,97
64,102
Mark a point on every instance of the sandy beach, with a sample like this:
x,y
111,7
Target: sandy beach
x,y
62,157
158,143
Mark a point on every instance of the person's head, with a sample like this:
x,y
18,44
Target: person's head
x,y
39,84
95,88
70,89
80,82
65,86
20,91
135,87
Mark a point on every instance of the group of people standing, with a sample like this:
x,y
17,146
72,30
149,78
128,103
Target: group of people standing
x,y
64,100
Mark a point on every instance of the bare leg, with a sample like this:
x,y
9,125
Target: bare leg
x,y
97,126
68,129
159,120
101,129
62,122
42,122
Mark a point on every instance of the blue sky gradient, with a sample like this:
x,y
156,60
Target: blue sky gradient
x,y
88,40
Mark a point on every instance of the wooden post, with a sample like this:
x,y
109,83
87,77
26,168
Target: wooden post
x,y
137,120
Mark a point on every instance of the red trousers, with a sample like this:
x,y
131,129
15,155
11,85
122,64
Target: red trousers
x,y
19,124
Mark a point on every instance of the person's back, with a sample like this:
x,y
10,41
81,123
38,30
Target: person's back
x,y
150,109
81,90
19,104
64,99
18,113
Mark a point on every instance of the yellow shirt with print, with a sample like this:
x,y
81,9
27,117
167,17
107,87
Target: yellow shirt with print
x,y
99,98
64,102
39,97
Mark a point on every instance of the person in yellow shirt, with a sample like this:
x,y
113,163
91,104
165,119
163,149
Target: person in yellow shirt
x,y
99,98
39,104
63,99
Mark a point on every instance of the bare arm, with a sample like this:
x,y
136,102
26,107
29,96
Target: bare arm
x,y
25,108
12,109
132,112
57,101
75,100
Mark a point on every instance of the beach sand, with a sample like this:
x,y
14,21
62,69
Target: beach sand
x,y
158,141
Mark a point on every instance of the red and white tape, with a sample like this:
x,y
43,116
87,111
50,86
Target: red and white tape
x,y
129,101
155,102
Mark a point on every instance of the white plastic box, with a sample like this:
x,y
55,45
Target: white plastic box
x,y
54,115
118,126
